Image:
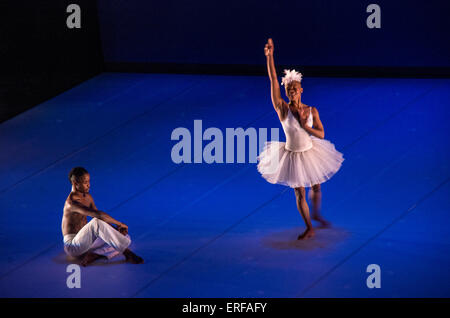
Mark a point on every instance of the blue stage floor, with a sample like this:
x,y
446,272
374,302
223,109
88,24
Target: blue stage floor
x,y
221,230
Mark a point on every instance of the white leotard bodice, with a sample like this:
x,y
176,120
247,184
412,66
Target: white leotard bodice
x,y
297,139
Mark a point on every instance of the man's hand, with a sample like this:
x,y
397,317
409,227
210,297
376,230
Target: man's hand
x,y
122,228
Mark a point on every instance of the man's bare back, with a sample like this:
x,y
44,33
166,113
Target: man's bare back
x,y
73,222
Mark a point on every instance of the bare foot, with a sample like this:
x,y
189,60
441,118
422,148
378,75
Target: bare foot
x,y
307,234
89,258
132,258
323,223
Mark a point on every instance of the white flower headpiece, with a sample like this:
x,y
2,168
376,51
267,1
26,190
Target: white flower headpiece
x,y
291,76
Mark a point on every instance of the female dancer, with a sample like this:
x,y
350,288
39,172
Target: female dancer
x,y
305,159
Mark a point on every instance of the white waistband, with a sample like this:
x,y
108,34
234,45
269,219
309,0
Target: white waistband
x,y
68,237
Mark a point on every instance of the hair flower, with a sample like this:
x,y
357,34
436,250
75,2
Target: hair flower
x,y
291,75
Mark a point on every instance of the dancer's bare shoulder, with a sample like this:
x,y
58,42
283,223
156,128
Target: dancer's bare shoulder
x,y
309,108
84,199
78,204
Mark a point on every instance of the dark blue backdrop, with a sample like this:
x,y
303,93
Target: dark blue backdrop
x,y
319,32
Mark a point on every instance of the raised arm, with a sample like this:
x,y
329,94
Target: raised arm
x,y
277,101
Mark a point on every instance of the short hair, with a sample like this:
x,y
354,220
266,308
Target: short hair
x,y
76,173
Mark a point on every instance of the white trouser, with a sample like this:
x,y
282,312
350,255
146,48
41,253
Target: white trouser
x,y
98,237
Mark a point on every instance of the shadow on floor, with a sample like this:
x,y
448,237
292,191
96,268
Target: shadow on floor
x,y
63,258
287,239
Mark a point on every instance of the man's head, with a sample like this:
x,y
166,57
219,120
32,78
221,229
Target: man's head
x,y
80,179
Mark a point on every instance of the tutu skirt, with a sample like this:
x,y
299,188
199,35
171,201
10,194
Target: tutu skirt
x,y
299,169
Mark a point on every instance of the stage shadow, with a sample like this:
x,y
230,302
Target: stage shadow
x,y
63,258
287,239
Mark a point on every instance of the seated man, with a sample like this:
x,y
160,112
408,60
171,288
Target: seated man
x,y
96,239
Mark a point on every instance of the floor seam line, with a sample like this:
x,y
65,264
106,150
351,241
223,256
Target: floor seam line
x,y
209,242
379,233
27,261
387,119
370,131
84,147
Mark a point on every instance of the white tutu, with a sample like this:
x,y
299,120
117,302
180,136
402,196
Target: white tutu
x,y
299,169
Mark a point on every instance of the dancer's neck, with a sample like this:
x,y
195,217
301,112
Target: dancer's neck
x,y
296,104
75,191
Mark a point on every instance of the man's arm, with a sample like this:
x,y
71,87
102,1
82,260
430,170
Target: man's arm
x,y
76,206
121,229
93,203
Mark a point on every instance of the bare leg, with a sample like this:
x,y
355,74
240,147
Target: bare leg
x,y
132,258
89,258
316,199
302,207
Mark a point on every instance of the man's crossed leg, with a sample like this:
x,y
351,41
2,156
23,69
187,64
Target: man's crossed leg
x,y
98,239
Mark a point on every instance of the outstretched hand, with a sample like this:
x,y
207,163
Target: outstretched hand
x,y
268,49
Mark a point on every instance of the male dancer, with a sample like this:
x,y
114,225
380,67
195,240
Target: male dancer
x,y
96,239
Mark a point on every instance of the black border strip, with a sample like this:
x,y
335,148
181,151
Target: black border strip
x,y
288,307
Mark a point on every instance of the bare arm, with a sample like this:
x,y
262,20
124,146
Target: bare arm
x,y
122,228
277,101
76,206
